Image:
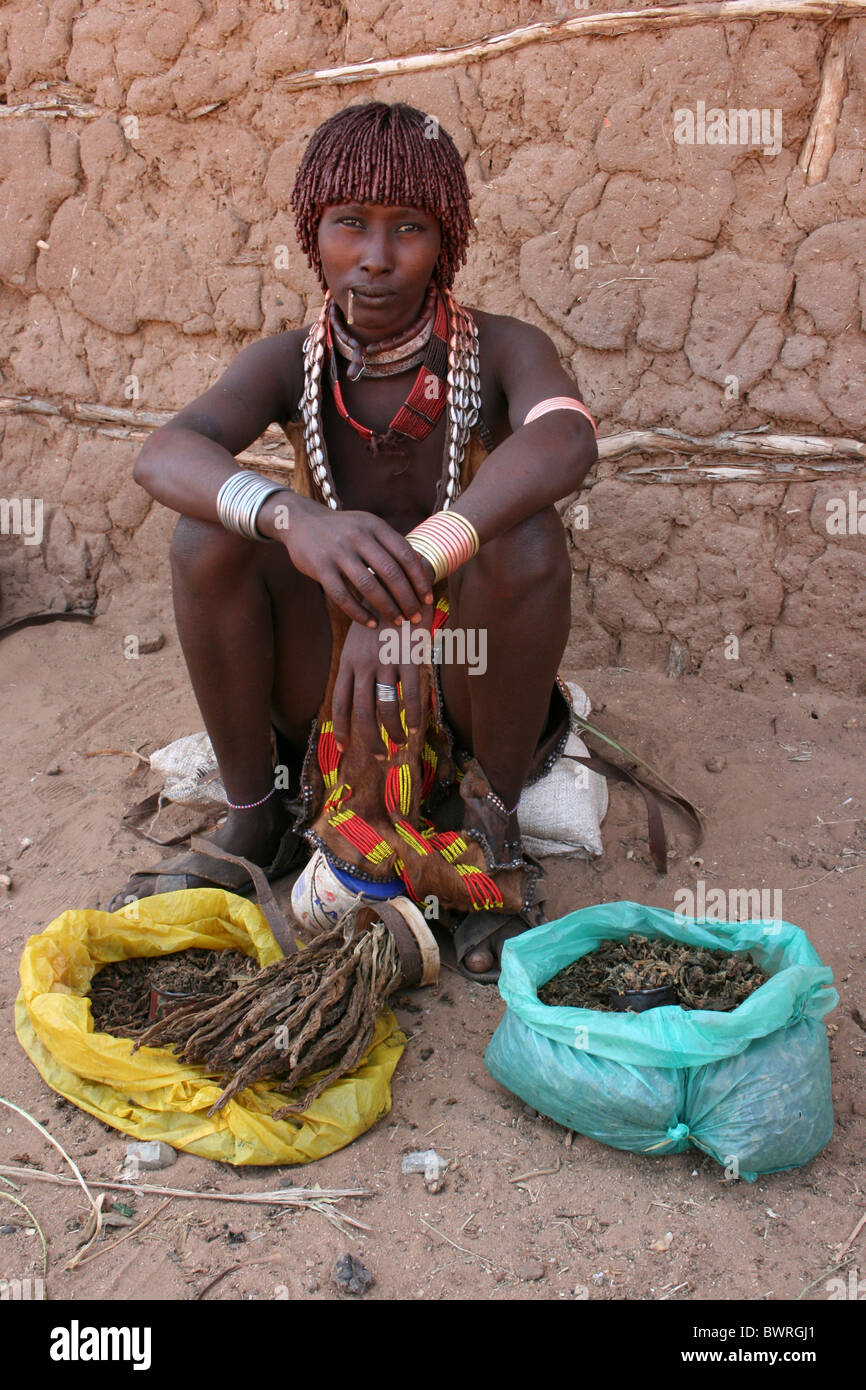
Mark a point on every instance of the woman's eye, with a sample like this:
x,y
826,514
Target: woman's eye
x,y
348,221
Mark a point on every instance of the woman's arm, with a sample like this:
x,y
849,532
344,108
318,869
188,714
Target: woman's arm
x,y
538,463
186,461
361,562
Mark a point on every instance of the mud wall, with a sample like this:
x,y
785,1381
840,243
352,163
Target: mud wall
x,y
147,236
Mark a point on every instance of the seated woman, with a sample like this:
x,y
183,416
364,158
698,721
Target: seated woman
x,y
431,443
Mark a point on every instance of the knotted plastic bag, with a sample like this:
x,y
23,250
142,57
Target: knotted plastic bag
x,y
151,1094
750,1087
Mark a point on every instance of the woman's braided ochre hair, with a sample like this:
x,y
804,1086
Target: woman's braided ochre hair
x,y
390,154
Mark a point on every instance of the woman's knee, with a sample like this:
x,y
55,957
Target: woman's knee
x,y
204,550
532,556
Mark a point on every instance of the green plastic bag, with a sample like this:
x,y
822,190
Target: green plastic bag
x,y
750,1087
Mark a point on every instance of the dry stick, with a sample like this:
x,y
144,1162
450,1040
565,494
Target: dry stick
x,y
59,1147
137,424
825,1274
744,443
537,1173
302,1199
18,1202
674,1290
313,1199
611,22
80,412
853,1236
244,1264
281,1197
820,142
462,1248
337,1218
91,1233
53,106
837,870
114,1244
115,753
59,106
812,881
97,413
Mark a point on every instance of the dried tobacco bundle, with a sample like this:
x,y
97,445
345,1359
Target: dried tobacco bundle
x,y
703,978
312,1011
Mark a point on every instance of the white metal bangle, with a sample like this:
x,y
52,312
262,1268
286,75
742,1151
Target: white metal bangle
x,y
240,500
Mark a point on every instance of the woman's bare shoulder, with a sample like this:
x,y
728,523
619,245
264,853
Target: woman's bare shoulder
x,y
499,333
274,365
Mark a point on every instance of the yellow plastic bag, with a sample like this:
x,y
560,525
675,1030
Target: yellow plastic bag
x,y
150,1094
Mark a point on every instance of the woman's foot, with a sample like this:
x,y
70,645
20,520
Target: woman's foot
x,y
479,940
488,955
255,834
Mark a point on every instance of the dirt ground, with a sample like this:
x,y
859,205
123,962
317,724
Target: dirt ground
x,y
585,1223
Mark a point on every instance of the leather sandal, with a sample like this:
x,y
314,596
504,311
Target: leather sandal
x,y
477,929
207,865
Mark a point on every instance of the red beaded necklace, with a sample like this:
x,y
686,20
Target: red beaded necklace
x,y
426,400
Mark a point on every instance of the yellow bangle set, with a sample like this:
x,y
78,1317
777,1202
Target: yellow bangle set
x,y
447,540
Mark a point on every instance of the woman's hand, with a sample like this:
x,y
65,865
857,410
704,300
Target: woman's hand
x,y
364,664
366,567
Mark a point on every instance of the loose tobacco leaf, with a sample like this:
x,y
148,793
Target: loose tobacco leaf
x,y
703,978
120,992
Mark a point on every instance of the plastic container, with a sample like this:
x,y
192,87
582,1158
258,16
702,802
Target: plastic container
x,y
322,895
639,1000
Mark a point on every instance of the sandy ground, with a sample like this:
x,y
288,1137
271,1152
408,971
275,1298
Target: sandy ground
x,y
588,1219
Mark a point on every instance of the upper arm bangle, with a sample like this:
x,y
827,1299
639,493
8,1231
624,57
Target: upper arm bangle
x,y
559,403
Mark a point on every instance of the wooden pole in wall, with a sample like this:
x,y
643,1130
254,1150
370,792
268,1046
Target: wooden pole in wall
x,y
605,23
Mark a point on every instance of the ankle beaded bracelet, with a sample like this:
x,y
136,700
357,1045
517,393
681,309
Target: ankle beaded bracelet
x,y
251,805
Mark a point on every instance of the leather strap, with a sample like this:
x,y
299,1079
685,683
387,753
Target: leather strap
x,y
151,806
267,902
655,824
408,950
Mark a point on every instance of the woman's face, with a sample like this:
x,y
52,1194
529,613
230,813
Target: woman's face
x,y
386,256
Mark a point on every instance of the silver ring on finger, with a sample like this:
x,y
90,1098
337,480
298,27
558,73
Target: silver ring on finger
x,y
386,694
